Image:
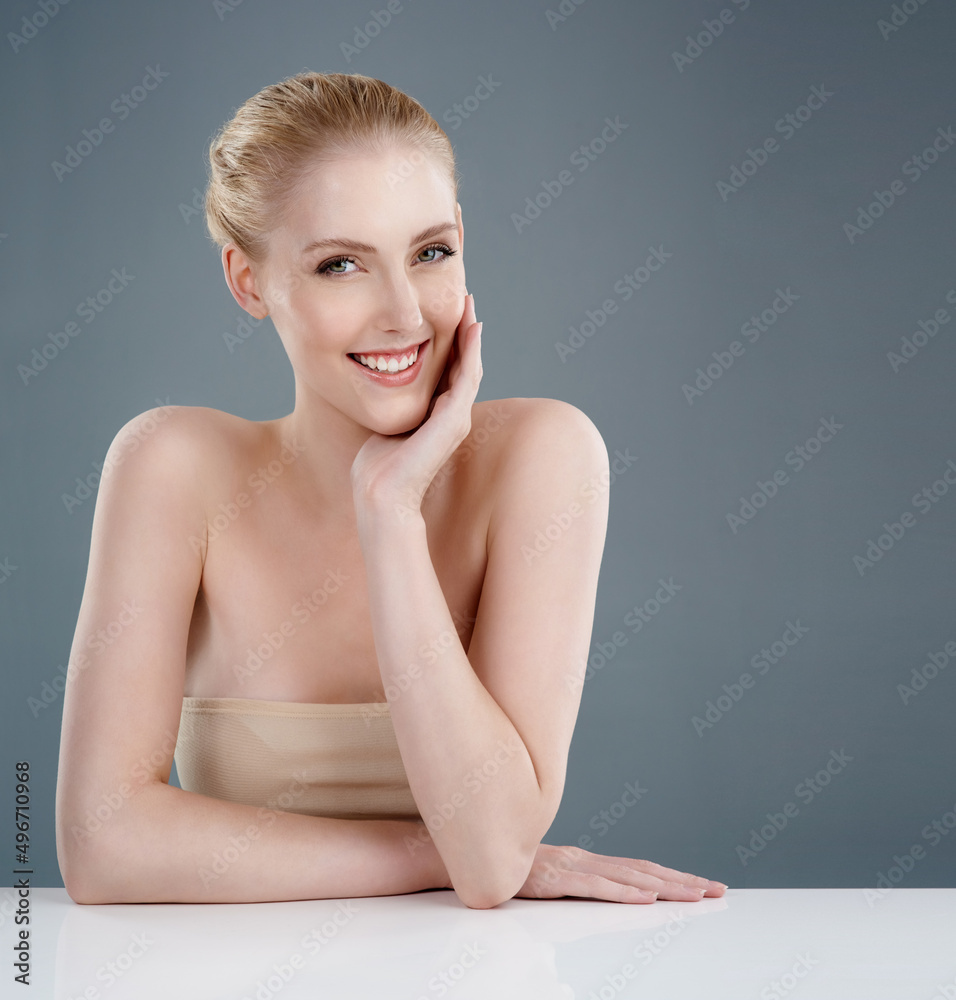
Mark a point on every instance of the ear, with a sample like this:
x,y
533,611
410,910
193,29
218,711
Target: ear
x,y
242,282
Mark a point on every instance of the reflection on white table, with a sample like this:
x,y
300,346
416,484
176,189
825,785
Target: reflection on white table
x,y
811,944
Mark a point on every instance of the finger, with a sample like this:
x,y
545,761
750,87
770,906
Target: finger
x,y
476,352
465,376
469,340
589,885
461,357
444,380
467,321
670,883
620,870
470,370
671,874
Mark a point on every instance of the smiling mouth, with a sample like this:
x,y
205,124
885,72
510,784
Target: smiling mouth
x,y
390,363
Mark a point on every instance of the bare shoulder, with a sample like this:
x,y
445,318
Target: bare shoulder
x,y
185,443
179,427
537,430
545,451
176,456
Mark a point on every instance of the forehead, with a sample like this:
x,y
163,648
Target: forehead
x,y
375,198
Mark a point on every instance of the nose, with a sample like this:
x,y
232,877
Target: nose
x,y
399,310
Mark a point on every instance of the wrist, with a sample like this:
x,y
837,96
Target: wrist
x,y
389,513
431,872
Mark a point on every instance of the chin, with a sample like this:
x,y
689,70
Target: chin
x,y
394,425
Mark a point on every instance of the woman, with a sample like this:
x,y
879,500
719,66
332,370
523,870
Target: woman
x,y
356,625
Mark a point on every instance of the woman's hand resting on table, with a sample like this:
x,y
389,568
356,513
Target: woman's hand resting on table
x,y
571,871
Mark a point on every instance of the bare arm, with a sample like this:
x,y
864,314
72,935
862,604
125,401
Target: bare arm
x,y
123,833
166,845
484,735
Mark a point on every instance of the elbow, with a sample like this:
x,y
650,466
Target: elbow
x,y
87,865
85,894
80,879
103,857
487,888
484,896
74,867
486,881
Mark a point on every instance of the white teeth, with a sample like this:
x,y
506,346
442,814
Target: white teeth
x,y
381,363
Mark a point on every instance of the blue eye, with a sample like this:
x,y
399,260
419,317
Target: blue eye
x,y
446,251
324,268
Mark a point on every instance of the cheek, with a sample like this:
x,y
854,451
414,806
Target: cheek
x,y
285,288
445,302
324,323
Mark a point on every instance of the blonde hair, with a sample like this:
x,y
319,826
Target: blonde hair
x,y
257,159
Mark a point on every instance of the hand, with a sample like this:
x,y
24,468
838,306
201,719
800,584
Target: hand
x,y
397,469
570,871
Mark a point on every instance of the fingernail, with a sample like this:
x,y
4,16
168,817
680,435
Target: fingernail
x,y
480,325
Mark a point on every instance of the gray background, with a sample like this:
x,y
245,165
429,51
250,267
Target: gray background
x,y
161,339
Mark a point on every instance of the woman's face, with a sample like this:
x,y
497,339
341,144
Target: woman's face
x,y
388,277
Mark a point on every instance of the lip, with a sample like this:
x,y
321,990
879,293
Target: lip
x,y
393,378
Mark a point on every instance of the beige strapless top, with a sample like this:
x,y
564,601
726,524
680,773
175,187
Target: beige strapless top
x,y
341,761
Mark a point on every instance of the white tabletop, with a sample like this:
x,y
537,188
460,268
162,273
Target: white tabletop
x,y
766,944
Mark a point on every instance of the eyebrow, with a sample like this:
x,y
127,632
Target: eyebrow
x,y
335,242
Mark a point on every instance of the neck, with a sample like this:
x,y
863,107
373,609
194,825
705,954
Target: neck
x,y
324,443
325,440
